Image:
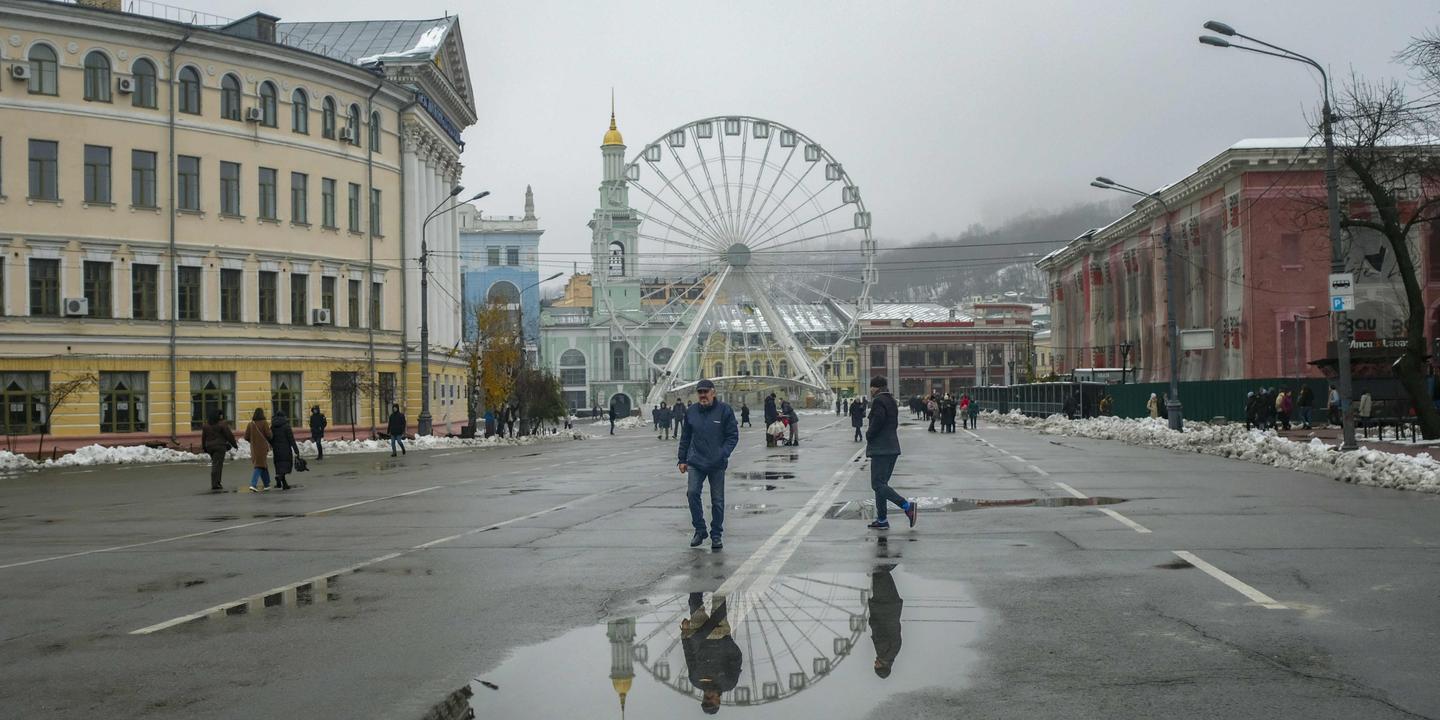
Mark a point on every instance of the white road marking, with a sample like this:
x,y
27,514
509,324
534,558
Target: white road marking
x,y
372,500
1260,598
1071,490
1017,457
250,599
1127,522
1038,470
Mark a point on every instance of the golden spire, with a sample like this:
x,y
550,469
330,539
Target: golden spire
x,y
613,136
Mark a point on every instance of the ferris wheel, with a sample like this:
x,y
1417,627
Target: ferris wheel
x,y
759,247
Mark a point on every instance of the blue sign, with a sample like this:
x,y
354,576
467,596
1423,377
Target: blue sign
x,y
1337,304
435,112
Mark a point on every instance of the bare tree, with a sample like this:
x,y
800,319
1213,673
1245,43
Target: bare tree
x,y
58,395
353,380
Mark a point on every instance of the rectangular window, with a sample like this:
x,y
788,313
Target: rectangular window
x,y
492,256
97,174
23,396
299,299
342,397
285,394
142,178
230,294
44,287
229,188
123,401
327,295
299,198
327,202
187,288
267,194
512,256
354,208
375,228
1290,251
188,191
877,356
377,293
98,288
211,393
44,169
145,291
268,295
352,303
387,389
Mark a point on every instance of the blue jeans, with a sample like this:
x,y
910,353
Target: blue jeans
x,y
1305,415
881,466
717,499
260,472
396,440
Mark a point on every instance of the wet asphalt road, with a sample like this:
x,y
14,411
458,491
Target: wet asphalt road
x,y
382,586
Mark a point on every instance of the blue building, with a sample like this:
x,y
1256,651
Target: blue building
x,y
500,259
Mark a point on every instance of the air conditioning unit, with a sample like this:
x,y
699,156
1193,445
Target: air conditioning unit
x,y
254,114
77,307
346,135
125,85
20,72
320,316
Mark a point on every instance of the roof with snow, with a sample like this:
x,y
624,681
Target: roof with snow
x,y
366,41
919,312
808,318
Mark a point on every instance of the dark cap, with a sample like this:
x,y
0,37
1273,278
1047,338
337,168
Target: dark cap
x,y
878,381
705,385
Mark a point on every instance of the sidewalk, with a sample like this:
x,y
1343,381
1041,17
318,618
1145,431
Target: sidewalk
x,y
1330,435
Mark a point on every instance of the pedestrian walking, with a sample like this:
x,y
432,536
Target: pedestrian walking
x,y
1283,406
1252,410
655,420
257,433
974,411
771,414
857,418
512,413
947,414
838,405
707,437
885,606
1332,407
932,410
792,418
1307,406
282,441
1153,405
965,409
1364,409
396,429
677,417
744,414
217,439
612,418
318,423
882,446
712,657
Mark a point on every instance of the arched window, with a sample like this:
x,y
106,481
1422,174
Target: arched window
x,y
267,104
785,368
503,292
97,77
744,368
662,356
352,122
44,71
849,367
769,368
617,362
572,368
617,258
300,112
230,97
189,90
375,131
327,118
144,73
719,369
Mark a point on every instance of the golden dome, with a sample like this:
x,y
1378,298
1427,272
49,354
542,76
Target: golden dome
x,y
612,137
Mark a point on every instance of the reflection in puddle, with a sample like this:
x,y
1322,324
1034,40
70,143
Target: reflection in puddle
x,y
754,654
865,509
755,508
761,475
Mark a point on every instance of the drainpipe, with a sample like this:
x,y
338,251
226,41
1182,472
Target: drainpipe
x,y
370,248
174,302
404,276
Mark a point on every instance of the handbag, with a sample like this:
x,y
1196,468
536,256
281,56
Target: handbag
x,y
301,465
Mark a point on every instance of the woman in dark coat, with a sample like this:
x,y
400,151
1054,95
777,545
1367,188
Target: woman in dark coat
x,y
217,439
857,418
282,442
317,431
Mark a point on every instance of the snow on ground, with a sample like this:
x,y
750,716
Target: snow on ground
x,y
141,455
626,423
1232,440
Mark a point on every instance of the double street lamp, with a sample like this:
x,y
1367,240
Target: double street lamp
x,y
1172,403
1332,192
424,422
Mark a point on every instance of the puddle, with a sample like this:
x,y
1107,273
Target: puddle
x,y
755,508
807,646
865,509
517,491
760,475
256,516
758,488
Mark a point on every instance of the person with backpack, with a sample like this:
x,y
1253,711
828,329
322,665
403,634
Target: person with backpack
x,y
318,423
217,440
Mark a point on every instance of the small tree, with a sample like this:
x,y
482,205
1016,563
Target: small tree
x,y
354,379
57,396
498,353
540,398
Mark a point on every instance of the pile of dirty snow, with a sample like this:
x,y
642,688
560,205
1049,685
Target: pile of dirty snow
x,y
1363,466
626,423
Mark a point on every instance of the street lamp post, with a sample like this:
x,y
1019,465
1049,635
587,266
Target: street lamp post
x,y
1332,196
424,423
1173,408
1124,359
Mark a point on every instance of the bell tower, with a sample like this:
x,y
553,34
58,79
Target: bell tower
x,y
614,231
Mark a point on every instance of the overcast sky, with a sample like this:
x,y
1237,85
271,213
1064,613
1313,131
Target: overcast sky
x,y
945,113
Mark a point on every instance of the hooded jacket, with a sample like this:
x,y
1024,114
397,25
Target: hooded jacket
x,y
708,436
881,437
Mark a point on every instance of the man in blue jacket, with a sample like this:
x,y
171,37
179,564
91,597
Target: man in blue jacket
x,y
707,437
882,446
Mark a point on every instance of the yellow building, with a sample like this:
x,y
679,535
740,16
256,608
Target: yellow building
x,y
218,216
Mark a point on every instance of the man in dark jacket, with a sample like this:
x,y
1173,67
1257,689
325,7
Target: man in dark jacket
x,y
396,429
882,446
711,655
216,439
707,437
885,607
857,418
612,418
744,414
318,424
771,415
677,416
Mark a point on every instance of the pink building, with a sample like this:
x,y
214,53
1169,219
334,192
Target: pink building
x,y
1252,262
